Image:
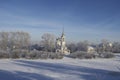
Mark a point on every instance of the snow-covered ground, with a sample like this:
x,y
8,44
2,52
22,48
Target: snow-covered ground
x,y
64,69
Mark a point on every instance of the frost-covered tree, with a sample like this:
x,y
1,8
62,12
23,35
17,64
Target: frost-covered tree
x,y
3,40
116,47
72,47
48,41
82,46
14,40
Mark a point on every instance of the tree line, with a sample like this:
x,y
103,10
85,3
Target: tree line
x,y
18,44
103,46
14,40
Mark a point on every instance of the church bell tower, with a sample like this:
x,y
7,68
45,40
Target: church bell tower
x,y
61,44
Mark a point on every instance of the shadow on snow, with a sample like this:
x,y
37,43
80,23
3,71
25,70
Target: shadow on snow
x,y
6,75
79,71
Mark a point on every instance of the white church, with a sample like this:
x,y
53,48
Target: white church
x,y
61,45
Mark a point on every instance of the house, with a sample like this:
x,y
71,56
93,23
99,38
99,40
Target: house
x,y
90,49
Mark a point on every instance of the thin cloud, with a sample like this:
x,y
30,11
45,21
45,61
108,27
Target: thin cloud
x,y
12,19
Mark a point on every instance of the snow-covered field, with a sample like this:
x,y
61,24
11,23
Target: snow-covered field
x,y
64,69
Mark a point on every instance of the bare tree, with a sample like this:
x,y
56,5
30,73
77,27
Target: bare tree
x,y
48,41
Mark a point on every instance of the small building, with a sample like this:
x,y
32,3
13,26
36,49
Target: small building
x,y
61,45
90,49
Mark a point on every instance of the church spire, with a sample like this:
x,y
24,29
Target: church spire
x,y
63,31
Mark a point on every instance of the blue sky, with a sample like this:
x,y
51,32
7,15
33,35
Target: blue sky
x,y
91,20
